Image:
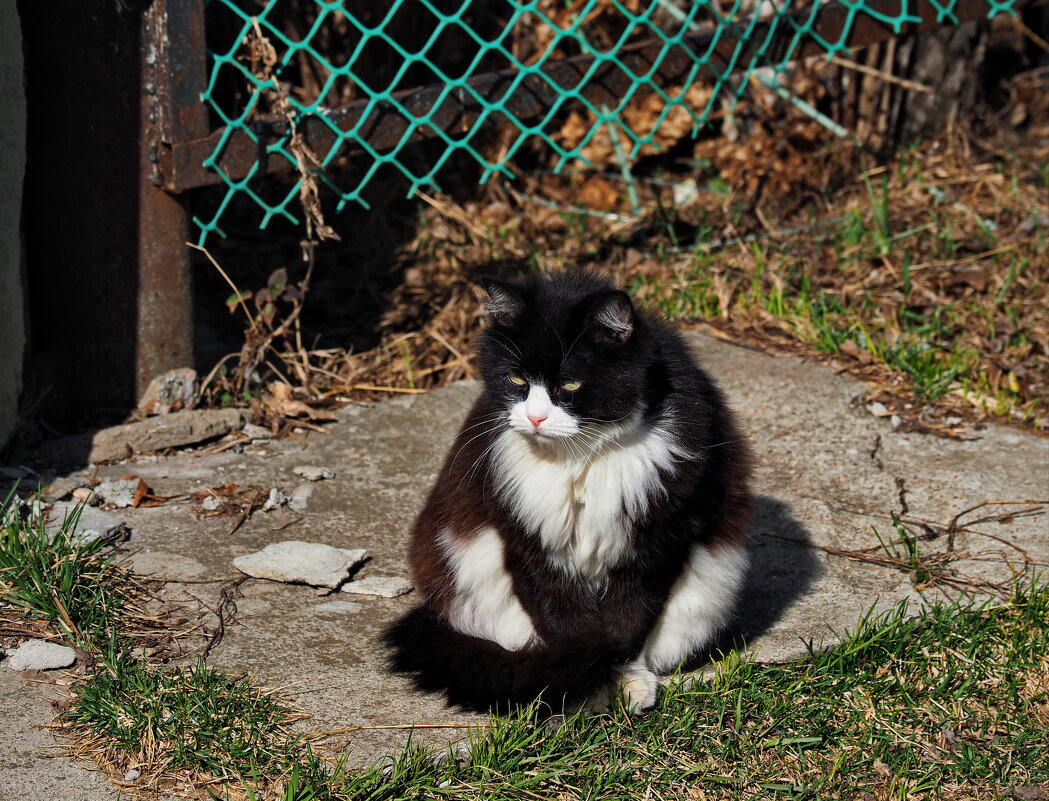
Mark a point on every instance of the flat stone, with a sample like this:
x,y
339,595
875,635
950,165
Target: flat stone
x,y
119,492
300,498
337,608
312,472
296,562
210,504
40,655
90,524
63,487
384,586
174,430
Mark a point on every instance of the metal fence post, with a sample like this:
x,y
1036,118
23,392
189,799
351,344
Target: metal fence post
x,y
173,72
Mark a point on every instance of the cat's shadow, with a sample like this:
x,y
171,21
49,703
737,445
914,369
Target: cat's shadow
x,y
782,568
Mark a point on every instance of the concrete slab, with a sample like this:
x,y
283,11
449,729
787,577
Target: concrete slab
x,y
823,463
32,769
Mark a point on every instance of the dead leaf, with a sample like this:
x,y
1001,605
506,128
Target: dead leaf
x,y
850,348
141,490
279,399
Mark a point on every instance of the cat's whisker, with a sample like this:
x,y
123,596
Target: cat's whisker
x,y
490,418
508,344
494,427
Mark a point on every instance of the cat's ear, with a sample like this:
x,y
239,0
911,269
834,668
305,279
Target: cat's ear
x,y
505,304
612,317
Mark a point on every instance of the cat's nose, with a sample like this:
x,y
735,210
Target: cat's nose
x,y
536,420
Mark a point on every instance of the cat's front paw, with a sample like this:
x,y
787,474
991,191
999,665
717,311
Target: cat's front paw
x,y
639,687
636,685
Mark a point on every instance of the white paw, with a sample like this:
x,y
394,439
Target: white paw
x,y
636,684
639,686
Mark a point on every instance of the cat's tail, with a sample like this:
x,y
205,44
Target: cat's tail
x,y
480,674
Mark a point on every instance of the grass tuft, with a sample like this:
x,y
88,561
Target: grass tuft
x,y
56,578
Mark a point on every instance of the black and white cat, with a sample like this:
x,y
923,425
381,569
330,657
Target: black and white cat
x,y
586,532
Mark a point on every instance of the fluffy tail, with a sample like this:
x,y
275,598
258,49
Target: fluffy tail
x,y
479,674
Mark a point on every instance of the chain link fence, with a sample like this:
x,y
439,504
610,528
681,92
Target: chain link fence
x,y
338,92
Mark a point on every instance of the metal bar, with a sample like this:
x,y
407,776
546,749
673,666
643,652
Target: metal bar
x,y
179,48
383,126
164,325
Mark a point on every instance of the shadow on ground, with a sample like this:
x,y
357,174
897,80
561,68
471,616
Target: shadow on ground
x,y
782,569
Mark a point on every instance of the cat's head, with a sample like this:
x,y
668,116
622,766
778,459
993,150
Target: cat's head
x,y
563,355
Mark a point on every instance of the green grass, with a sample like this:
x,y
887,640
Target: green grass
x,y
930,281
192,720
71,584
953,703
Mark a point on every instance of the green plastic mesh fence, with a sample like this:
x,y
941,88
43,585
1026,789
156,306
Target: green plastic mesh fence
x,y
286,63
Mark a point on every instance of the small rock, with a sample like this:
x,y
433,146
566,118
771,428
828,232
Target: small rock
x,y
300,498
337,608
685,192
211,503
297,562
86,495
312,472
63,487
174,390
276,500
256,433
895,421
878,409
384,586
114,444
119,492
455,754
40,655
132,775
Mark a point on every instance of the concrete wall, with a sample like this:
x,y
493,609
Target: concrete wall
x,y
12,170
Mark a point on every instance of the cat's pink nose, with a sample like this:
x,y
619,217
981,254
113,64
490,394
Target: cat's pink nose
x,y
536,420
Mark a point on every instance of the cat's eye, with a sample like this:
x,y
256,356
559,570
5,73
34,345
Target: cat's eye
x,y
516,380
571,386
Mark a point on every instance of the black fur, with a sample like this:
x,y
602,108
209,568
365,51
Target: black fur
x,y
572,326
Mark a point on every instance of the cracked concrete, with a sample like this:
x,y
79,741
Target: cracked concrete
x,y
817,482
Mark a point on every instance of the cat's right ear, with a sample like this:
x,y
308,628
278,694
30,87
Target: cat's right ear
x,y
505,304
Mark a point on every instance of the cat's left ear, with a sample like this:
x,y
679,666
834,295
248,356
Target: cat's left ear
x,y
505,304
612,316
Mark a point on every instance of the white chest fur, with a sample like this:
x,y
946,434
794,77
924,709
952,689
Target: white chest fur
x,y
582,495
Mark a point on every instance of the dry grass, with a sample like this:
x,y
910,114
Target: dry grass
x,y
926,277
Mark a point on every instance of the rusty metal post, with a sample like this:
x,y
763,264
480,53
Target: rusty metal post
x,y
172,76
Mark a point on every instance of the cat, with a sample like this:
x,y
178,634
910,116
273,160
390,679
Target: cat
x,y
587,530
